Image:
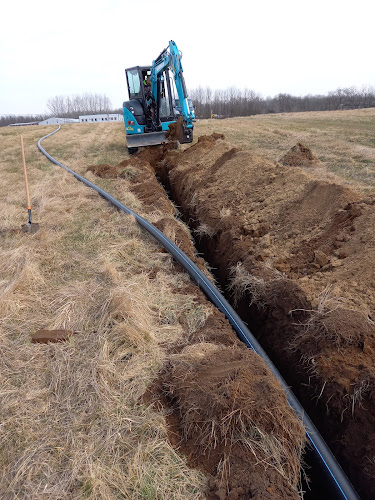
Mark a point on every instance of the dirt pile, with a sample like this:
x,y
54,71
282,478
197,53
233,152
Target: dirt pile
x,y
298,156
176,131
234,422
299,254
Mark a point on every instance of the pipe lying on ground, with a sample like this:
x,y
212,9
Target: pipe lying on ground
x,y
333,468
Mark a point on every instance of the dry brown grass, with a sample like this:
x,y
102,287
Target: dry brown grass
x,y
257,289
343,141
73,424
72,421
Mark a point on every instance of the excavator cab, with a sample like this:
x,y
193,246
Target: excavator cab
x,y
147,119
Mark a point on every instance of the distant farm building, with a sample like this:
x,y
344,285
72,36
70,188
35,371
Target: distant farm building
x,y
58,121
22,124
49,121
106,117
54,120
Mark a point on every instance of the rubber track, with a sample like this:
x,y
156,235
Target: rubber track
x,y
335,472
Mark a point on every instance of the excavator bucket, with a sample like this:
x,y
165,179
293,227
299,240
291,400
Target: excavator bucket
x,y
177,132
149,139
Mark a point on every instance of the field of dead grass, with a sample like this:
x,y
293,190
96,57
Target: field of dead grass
x,y
72,421
73,424
342,141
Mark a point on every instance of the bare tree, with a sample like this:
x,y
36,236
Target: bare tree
x,y
72,106
56,105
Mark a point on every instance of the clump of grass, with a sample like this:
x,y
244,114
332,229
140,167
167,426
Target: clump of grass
x,y
204,230
315,326
359,392
333,323
243,283
225,212
232,413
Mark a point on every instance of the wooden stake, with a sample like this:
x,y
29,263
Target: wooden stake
x,y
25,174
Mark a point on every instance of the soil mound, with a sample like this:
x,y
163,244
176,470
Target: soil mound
x,y
152,154
234,423
298,156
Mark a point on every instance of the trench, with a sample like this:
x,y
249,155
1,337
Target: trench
x,y
317,483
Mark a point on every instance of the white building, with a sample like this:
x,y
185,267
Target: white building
x,y
22,124
105,117
58,121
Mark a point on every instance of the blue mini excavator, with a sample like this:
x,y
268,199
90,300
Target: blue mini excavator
x,y
153,104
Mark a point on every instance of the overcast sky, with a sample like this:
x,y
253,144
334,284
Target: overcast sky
x,y
51,48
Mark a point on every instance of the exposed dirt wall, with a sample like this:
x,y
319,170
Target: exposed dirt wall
x,y
299,255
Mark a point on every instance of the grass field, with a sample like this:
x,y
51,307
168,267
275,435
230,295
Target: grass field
x,y
72,421
73,424
343,141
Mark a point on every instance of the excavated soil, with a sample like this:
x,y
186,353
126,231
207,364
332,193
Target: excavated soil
x,y
233,422
225,411
298,156
297,254
175,132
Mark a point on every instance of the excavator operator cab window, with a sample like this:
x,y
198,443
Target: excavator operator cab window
x,y
162,87
134,83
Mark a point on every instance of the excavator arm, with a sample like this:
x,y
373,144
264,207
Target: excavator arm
x,y
172,60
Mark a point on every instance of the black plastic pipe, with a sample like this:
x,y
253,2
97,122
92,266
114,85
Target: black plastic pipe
x,y
335,472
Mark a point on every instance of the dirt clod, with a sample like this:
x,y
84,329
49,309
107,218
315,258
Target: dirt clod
x,y
176,130
321,258
47,336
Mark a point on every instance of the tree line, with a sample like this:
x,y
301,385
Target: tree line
x,y
223,103
8,119
65,106
244,102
